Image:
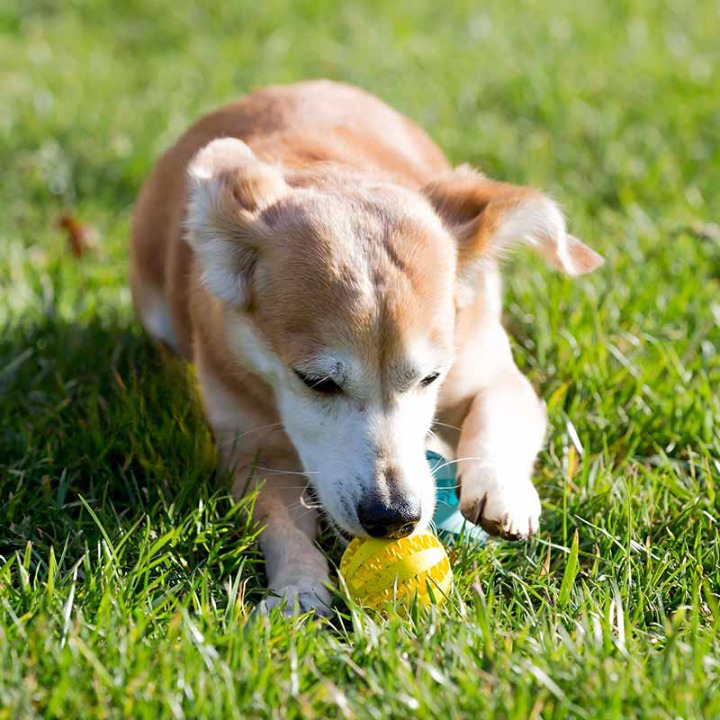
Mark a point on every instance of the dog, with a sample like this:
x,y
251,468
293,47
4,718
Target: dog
x,y
336,284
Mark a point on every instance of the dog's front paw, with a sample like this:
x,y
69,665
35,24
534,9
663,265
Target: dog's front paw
x,y
510,509
298,599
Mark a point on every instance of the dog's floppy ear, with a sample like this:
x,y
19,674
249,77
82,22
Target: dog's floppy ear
x,y
229,189
487,218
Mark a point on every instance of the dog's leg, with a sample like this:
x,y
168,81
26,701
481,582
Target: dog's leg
x,y
499,439
254,447
296,569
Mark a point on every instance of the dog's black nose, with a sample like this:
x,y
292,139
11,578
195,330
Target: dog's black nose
x,y
384,521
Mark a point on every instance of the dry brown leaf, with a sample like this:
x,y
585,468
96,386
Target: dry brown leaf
x,y
80,237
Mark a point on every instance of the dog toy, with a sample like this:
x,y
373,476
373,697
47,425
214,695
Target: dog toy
x,y
448,520
379,571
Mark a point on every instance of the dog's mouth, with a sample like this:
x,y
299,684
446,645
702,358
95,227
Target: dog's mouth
x,y
311,500
340,532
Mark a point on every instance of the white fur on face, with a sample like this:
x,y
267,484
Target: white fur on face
x,y
342,439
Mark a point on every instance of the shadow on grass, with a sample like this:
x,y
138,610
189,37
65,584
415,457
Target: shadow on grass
x,y
93,421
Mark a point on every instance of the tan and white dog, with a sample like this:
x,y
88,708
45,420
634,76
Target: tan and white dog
x,y
335,283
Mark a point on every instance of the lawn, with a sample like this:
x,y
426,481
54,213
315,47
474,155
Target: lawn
x,y
127,574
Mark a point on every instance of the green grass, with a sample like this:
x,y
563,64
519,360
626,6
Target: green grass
x,y
127,576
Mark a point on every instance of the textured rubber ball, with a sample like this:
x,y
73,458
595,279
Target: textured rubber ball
x,y
380,571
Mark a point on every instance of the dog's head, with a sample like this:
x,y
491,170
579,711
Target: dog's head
x,y
343,296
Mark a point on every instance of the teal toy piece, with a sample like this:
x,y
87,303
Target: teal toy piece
x,y
448,519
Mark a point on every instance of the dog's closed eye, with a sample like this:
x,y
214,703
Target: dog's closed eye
x,y
429,379
322,385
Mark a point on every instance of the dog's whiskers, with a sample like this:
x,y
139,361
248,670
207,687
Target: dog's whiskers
x,y
483,463
236,438
447,425
313,495
305,510
279,471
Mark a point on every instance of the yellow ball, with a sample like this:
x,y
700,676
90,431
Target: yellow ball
x,y
380,571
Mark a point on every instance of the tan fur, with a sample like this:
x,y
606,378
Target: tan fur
x,y
337,224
